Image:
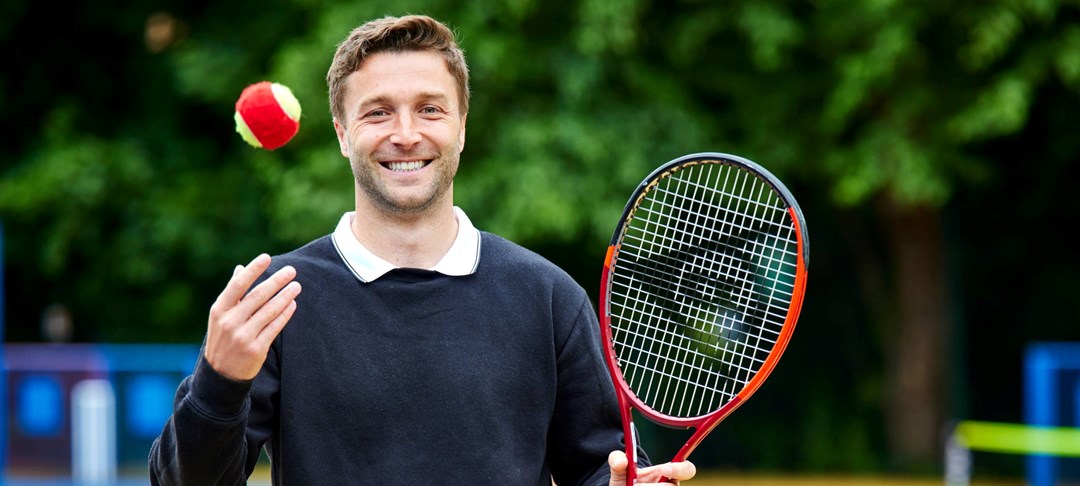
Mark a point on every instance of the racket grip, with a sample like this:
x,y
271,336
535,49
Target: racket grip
x,y
631,449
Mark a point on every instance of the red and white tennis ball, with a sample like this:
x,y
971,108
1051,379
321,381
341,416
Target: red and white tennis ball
x,y
267,115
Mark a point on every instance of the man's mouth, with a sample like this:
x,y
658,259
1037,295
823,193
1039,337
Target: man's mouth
x,y
406,166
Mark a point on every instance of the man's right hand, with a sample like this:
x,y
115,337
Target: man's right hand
x,y
242,327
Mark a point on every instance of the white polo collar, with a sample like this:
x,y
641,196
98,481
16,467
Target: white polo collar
x,y
462,259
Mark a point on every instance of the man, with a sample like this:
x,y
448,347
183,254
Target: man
x,y
423,351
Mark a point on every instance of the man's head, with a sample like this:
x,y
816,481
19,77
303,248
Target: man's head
x,y
395,34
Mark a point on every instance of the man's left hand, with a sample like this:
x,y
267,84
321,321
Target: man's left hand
x,y
672,471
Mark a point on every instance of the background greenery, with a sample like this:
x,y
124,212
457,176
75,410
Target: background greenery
x,y
933,146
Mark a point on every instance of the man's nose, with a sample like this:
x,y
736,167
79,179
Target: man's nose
x,y
405,132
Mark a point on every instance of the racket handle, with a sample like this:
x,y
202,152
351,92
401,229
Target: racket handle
x,y
630,432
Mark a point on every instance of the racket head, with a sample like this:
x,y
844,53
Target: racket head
x,y
702,286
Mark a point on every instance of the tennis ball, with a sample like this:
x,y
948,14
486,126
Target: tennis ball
x,y
267,115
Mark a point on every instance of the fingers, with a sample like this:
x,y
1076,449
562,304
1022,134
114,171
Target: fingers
x,y
240,282
667,473
680,471
243,324
262,313
234,300
276,313
617,462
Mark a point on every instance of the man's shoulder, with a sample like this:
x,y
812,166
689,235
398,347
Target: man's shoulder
x,y
504,251
504,255
316,252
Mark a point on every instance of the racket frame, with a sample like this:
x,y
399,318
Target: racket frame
x,y
627,399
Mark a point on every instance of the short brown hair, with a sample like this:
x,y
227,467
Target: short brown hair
x,y
395,34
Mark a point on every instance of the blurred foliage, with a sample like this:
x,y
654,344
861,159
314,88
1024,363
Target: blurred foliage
x,y
126,194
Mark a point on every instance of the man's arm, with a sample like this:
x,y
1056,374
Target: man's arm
x,y
586,425
587,418
206,440
217,428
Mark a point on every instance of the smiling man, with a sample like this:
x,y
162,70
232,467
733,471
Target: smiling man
x,y
422,351
402,126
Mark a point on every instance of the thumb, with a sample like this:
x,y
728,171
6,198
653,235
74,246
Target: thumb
x,y
617,462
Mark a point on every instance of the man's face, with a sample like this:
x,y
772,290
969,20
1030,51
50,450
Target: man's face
x,y
402,131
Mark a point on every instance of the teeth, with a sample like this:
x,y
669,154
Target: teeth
x,y
406,166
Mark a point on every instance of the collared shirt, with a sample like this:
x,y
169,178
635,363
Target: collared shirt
x,y
462,259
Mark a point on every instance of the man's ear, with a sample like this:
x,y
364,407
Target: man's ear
x,y
342,138
461,136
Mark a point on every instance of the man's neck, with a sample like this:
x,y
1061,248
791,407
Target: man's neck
x,y
413,241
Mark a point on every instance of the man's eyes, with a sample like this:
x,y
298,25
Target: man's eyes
x,y
426,110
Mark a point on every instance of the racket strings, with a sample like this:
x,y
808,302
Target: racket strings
x,y
700,287
705,229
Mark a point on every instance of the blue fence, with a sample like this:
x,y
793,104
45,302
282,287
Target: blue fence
x,y
39,379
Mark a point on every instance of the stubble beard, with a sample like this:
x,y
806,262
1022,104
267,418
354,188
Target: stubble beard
x,y
365,172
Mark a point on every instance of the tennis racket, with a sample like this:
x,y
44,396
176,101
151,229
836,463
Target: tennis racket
x,y
701,289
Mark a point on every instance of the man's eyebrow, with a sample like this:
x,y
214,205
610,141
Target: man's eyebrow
x,y
436,95
424,96
374,100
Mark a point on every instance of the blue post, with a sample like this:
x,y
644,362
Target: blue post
x,y
1040,407
1043,364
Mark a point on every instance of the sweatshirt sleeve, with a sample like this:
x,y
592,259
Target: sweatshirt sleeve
x,y
586,426
217,428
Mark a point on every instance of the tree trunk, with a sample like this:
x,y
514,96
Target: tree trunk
x,y
917,349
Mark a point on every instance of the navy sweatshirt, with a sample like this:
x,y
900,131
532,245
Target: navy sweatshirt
x,y
415,378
